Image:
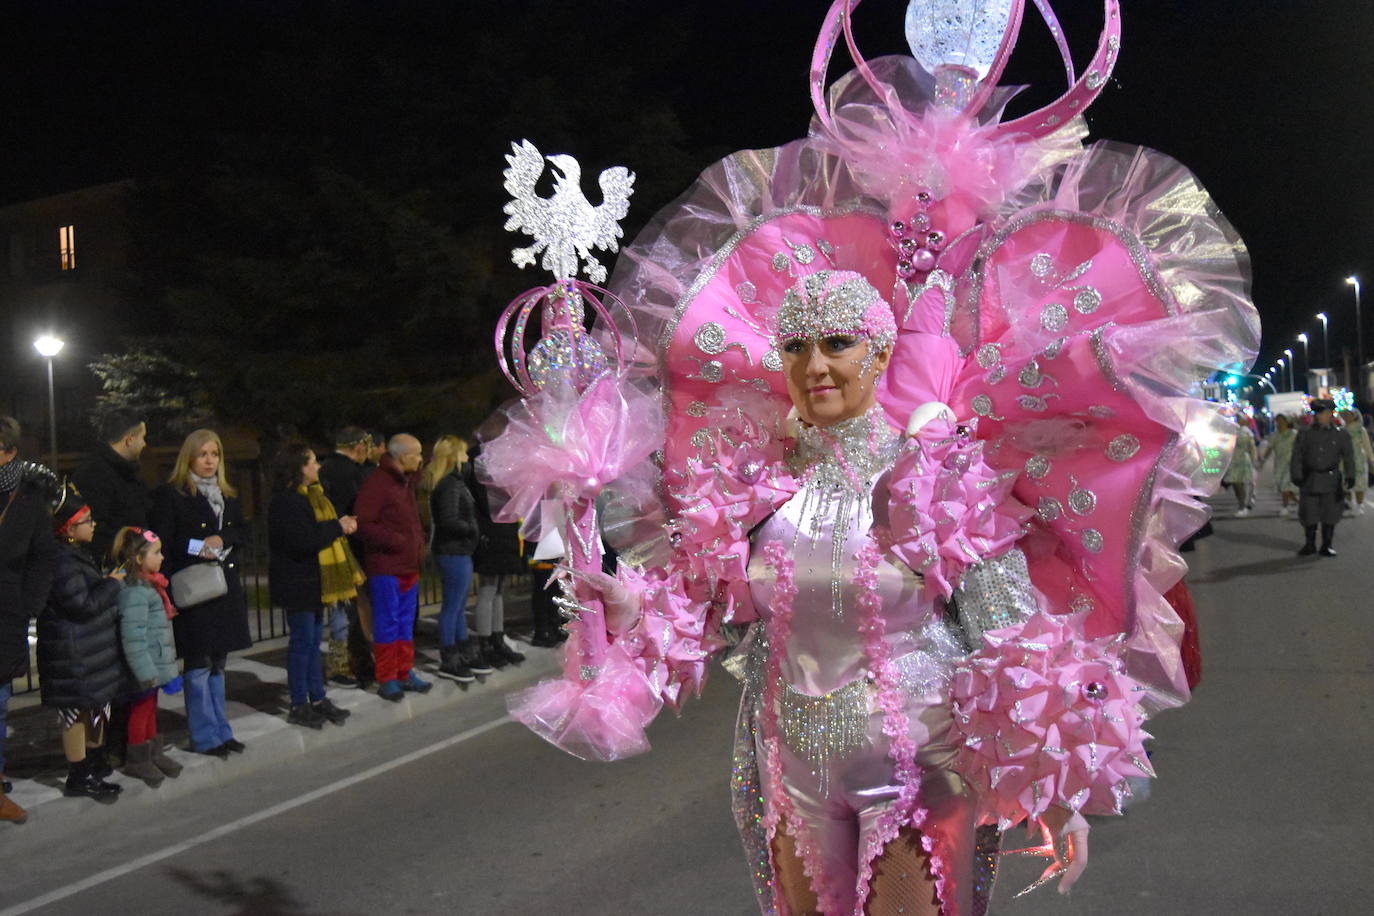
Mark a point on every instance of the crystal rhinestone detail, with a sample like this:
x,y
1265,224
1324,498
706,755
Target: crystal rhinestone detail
x,y
1055,348
1092,540
1049,508
772,361
1082,501
781,262
1095,80
1042,265
1087,300
1054,318
1081,603
804,254
813,310
1037,466
747,291
1123,447
710,338
988,355
982,405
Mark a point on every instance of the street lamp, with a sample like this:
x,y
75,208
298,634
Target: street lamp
x,y
1279,366
1291,385
1326,345
49,346
1354,281
1306,358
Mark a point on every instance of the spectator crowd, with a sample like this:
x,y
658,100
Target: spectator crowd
x,y
138,590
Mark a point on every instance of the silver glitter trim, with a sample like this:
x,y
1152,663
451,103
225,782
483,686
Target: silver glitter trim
x,y
988,355
995,593
772,361
1092,540
1087,300
982,405
1054,318
1123,448
1104,359
1082,501
1037,466
696,409
1029,377
1049,508
747,292
710,338
1042,264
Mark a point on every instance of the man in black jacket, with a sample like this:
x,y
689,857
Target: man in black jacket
x,y
111,482
27,557
1323,459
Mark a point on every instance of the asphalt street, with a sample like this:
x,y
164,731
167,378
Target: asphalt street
x,y
1262,805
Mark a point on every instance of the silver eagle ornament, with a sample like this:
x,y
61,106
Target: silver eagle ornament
x,y
566,226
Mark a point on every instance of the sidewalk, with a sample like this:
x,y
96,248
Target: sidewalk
x,y
257,703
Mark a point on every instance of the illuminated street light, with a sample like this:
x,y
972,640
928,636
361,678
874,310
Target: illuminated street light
x,y
49,346
1354,281
1326,346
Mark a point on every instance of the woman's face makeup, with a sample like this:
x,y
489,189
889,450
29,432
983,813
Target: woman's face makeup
x,y
833,378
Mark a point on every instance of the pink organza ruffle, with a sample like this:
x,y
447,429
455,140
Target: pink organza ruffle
x,y
574,444
947,508
1047,718
603,719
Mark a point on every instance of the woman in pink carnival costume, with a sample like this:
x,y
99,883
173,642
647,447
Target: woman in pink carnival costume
x,y
940,578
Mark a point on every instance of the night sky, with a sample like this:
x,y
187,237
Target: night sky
x,y
1267,101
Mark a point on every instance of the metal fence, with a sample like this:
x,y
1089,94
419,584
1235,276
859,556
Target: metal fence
x,y
264,621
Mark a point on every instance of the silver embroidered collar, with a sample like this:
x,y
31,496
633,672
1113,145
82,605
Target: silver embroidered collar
x,y
846,455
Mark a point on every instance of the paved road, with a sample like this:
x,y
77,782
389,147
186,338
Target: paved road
x,y
1262,806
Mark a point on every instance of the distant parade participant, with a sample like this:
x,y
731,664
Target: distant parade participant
x,y
1280,445
1240,476
1323,466
1364,454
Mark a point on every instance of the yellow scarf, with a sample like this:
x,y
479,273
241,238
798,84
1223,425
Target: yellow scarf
x,y
340,573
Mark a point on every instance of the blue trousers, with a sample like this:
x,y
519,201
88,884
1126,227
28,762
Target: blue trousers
x,y
5,690
456,573
304,672
204,690
393,626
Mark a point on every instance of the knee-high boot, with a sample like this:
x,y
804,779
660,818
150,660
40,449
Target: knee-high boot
x,y
200,711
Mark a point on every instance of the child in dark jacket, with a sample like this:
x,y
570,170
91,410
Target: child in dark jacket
x,y
145,632
78,650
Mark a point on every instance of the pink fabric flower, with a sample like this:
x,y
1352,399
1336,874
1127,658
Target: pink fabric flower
x,y
1047,718
947,508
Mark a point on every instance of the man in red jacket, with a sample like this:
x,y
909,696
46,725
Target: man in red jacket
x,y
394,551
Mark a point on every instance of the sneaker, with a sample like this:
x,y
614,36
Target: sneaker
x,y
331,712
347,681
413,683
236,746
306,715
452,665
474,657
1243,513
1327,552
391,691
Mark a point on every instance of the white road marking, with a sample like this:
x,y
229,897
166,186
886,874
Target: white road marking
x,y
175,849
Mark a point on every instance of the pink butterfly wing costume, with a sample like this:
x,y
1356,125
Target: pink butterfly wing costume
x,y
949,631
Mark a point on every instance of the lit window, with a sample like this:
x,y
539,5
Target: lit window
x,y
66,243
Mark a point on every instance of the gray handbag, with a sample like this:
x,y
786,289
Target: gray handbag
x,y
197,584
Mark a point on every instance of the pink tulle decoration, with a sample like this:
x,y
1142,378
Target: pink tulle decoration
x,y
947,509
720,501
1047,718
558,440
603,719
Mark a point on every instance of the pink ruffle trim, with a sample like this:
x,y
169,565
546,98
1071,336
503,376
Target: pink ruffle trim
x,y
575,444
950,507
1047,718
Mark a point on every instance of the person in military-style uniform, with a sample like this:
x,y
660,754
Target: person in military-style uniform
x,y
1323,466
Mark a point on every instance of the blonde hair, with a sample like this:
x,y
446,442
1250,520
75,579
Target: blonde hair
x,y
449,453
181,472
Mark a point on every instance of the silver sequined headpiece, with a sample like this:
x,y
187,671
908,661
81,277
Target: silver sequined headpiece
x,y
831,302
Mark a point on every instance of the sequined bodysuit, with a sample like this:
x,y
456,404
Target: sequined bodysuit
x,y
835,785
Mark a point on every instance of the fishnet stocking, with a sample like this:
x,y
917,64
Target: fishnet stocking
x,y
902,881
791,877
